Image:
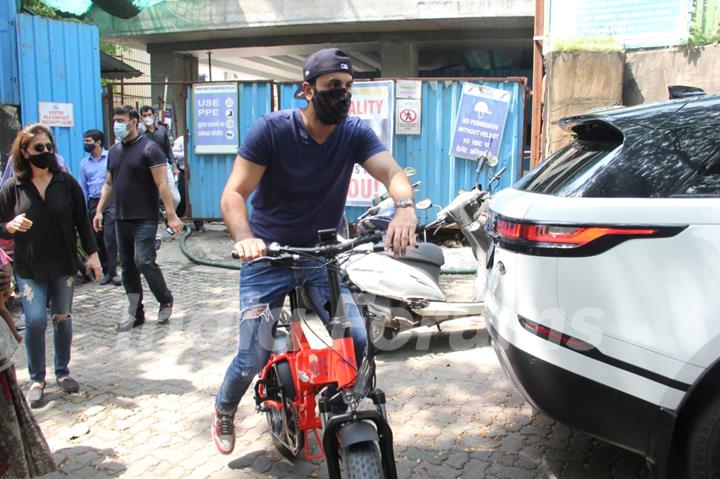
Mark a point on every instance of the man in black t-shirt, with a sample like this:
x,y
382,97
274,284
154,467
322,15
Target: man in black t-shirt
x,y
158,133
137,178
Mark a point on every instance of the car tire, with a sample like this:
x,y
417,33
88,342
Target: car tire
x,y
702,450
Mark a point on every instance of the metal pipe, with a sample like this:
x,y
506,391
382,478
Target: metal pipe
x,y
537,88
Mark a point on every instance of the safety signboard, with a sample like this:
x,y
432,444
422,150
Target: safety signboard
x,y
407,117
56,114
480,122
215,108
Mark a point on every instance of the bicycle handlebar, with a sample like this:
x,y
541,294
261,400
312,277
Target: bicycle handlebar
x,y
275,251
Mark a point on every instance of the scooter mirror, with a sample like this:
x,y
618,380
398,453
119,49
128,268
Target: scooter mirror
x,y
423,204
492,161
409,171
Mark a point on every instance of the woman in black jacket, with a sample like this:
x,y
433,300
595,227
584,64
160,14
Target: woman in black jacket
x,y
42,208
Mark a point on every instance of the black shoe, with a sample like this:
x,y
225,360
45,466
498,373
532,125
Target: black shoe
x,y
68,384
116,280
200,227
105,279
165,312
130,322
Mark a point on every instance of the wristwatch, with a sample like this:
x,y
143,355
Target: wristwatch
x,y
404,203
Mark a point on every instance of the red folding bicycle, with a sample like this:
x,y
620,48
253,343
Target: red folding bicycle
x,y
317,393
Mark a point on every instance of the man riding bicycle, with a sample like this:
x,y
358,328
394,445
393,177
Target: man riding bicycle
x,y
299,163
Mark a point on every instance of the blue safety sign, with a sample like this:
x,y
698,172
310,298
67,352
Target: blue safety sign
x,y
215,108
480,122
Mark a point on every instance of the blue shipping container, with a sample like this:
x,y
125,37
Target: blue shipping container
x,y
60,62
9,92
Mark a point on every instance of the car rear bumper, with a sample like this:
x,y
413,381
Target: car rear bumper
x,y
609,414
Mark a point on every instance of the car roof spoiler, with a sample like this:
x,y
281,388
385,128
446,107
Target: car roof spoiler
x,y
682,91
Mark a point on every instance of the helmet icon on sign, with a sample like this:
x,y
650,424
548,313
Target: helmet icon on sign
x,y
229,102
482,109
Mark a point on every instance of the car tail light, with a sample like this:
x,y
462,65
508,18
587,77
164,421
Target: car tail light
x,y
508,229
542,239
555,336
562,235
576,235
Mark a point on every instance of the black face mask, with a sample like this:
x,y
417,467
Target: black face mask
x,y
41,160
332,105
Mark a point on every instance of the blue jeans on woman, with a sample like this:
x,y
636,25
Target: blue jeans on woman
x,y
263,288
34,296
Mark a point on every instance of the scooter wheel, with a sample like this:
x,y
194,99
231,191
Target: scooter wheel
x,y
379,335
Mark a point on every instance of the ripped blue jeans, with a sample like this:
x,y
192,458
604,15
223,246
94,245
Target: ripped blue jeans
x,y
263,288
34,296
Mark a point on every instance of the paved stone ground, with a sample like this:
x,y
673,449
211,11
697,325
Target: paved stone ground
x,y
147,396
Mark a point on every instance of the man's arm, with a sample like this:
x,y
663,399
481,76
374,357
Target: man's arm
x,y
105,195
243,180
159,174
84,182
401,231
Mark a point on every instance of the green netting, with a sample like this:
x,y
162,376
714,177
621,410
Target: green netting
x,y
141,4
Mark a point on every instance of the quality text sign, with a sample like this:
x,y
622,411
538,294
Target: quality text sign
x,y
215,108
480,122
374,103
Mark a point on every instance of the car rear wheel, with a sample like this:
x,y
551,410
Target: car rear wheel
x,y
702,450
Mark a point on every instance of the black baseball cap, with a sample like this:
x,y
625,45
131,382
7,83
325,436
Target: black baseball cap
x,y
324,61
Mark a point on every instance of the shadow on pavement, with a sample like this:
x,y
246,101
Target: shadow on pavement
x,y
419,343
85,461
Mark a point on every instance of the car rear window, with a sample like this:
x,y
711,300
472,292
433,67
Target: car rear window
x,y
662,163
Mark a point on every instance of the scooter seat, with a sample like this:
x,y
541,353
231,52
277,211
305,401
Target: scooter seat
x,y
425,253
426,257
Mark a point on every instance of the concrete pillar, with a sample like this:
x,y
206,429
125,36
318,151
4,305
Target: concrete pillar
x,y
176,67
575,83
398,59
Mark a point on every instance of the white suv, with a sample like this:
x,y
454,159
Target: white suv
x,y
603,282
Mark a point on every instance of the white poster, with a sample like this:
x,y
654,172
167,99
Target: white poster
x,y
374,103
407,120
56,114
408,89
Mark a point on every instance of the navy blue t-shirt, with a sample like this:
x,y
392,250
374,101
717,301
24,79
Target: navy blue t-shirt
x,y
305,184
134,189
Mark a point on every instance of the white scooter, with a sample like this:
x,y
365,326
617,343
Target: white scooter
x,y
403,293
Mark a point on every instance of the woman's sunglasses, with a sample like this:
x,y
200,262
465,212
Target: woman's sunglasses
x,y
39,148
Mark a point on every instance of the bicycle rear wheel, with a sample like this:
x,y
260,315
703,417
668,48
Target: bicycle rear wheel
x,y
288,441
